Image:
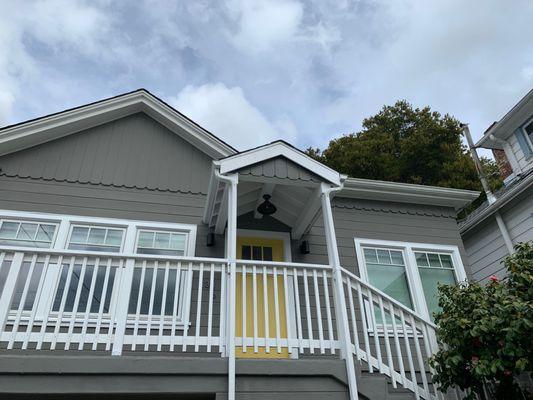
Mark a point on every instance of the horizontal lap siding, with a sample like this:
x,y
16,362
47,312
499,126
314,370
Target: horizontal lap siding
x,y
108,202
384,221
518,152
484,243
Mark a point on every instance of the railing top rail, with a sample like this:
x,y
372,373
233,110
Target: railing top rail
x,y
283,264
154,257
388,298
103,254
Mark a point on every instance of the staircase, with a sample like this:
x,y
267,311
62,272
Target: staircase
x,y
379,387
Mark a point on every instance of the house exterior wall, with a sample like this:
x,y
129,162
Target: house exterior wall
x,y
523,162
484,244
280,168
503,163
357,218
133,152
117,171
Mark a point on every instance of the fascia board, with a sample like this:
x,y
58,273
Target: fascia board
x,y
407,193
64,123
255,156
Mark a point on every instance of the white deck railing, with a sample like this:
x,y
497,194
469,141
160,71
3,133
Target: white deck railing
x,y
71,300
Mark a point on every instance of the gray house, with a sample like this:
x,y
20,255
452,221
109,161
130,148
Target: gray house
x,y
143,257
490,233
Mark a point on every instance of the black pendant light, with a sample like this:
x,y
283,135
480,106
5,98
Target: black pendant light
x,y
266,207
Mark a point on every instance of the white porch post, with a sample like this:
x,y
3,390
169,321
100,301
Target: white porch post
x,y
340,301
231,254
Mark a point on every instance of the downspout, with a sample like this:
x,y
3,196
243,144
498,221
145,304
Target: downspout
x,y
490,196
231,254
339,299
473,151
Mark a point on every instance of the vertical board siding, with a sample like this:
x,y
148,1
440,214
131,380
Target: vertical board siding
x,y
134,151
282,168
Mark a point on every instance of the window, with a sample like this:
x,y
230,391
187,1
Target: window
x,y
524,136
434,268
96,238
26,233
161,242
528,130
409,272
386,271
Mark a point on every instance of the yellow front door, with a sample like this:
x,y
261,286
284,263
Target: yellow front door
x,y
260,249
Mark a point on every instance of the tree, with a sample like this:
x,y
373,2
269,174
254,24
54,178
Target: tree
x,y
403,144
485,331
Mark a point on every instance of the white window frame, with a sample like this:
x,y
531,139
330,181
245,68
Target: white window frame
x,y
64,224
526,136
101,226
413,277
151,229
23,220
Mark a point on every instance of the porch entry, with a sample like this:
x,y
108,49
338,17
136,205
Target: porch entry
x,y
260,249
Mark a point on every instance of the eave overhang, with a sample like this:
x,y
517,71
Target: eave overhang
x,y
506,126
30,133
407,193
278,149
497,205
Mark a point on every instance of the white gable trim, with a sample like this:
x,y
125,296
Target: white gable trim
x,y
41,130
277,149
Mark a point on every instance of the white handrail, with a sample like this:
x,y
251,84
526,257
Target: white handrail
x,y
166,303
385,296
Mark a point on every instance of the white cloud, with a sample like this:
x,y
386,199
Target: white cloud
x,y
229,115
264,23
58,26
6,103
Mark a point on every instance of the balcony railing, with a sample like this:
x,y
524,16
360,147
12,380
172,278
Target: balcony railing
x,y
70,300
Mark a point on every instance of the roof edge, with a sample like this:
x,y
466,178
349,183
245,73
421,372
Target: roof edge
x,y
499,203
276,149
53,126
407,193
494,129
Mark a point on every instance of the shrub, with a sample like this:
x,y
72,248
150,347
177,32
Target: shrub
x,y
485,332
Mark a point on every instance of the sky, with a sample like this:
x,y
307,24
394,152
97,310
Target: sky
x,y
253,71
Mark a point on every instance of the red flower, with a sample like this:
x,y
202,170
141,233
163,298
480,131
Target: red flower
x,y
507,372
494,278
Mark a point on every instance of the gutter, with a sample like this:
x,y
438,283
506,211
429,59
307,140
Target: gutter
x,y
407,193
500,202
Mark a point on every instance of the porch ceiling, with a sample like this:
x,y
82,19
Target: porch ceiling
x,y
297,205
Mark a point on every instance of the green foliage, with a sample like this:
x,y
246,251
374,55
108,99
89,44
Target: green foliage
x,y
485,332
403,144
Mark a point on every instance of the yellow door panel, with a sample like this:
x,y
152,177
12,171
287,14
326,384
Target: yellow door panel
x,y
265,314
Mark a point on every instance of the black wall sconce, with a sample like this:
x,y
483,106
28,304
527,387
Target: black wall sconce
x,y
304,247
210,240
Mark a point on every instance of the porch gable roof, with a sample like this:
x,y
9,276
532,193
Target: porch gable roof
x,y
273,150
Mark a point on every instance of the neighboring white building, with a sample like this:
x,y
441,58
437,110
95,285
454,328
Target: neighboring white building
x,y
486,244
